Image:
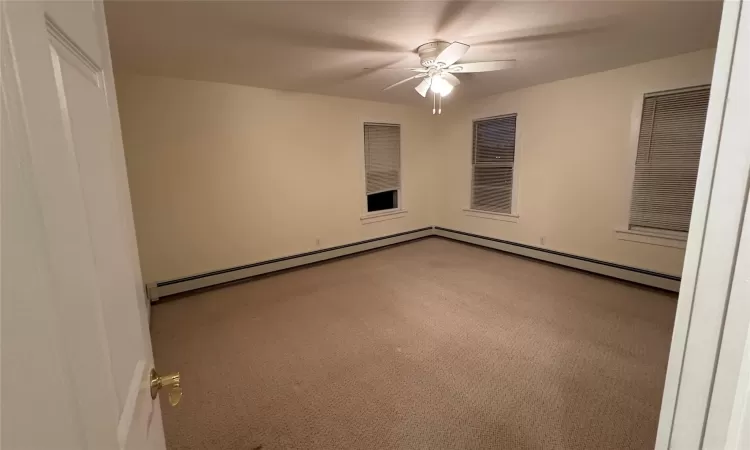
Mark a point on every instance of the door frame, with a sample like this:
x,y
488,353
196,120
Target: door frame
x,y
701,397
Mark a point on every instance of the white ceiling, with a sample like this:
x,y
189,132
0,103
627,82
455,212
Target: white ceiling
x,y
348,48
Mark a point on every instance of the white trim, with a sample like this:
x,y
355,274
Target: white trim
x,y
513,218
728,421
152,291
563,260
636,115
709,258
155,291
239,274
380,216
662,239
516,165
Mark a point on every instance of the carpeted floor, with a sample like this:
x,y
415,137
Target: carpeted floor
x,y
428,345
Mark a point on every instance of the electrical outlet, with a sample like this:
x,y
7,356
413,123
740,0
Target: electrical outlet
x,y
543,240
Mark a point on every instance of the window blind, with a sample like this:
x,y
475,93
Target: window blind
x,y
382,157
494,148
666,167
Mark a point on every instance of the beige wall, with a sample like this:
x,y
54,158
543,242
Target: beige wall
x,y
575,156
224,175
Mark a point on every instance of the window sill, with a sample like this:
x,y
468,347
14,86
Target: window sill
x,y
492,215
653,238
381,216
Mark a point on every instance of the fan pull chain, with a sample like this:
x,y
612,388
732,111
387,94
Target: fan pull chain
x,y
433,102
440,104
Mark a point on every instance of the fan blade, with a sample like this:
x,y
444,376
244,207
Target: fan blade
x,y
412,69
421,75
570,30
450,14
452,53
451,79
484,66
423,86
456,14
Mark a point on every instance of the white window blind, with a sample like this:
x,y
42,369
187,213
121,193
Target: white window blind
x,y
493,154
666,167
382,157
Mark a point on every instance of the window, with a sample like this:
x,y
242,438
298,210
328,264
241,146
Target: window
x,y
493,153
382,166
666,167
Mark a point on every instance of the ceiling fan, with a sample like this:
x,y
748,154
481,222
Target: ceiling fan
x,y
439,64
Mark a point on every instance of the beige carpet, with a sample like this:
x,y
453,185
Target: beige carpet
x,y
428,345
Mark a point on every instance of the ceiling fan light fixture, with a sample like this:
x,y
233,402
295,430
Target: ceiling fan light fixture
x,y
440,86
446,90
440,61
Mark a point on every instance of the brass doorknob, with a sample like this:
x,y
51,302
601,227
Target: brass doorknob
x,y
171,381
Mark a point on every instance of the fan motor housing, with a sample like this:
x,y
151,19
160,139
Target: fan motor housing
x,y
429,51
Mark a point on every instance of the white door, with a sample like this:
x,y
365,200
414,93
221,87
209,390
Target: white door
x,y
76,353
706,402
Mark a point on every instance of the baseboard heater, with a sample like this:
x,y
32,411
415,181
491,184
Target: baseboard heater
x,y
165,288
641,276
162,289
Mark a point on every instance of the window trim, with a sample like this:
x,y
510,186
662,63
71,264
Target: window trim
x,y
471,212
646,235
382,216
367,216
503,217
663,238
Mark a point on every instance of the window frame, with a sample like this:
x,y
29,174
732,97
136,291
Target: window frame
x,y
386,214
646,235
512,216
